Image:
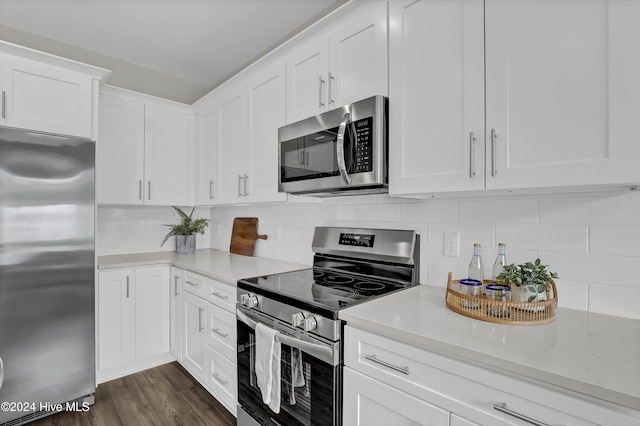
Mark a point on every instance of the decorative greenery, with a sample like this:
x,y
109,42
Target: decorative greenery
x,y
187,226
534,276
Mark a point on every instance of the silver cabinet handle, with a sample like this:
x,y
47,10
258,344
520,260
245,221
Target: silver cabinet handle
x,y
220,379
374,358
192,283
307,161
502,407
494,169
240,185
140,189
320,97
175,286
1,372
472,160
219,296
4,110
331,80
200,328
246,178
220,333
340,148
149,192
211,196
127,286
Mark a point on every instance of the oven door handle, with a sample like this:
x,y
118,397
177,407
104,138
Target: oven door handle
x,y
318,351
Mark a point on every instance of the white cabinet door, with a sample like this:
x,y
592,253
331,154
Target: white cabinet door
x,y
152,311
166,147
368,402
436,91
116,318
194,343
358,56
38,96
120,151
562,90
265,114
207,126
307,73
231,141
175,337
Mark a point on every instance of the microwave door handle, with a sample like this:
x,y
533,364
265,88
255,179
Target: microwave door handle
x,y
318,351
342,168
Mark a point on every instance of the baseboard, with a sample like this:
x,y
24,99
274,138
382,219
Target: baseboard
x,y
103,376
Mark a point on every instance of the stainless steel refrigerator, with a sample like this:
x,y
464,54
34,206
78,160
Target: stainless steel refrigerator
x,y
47,303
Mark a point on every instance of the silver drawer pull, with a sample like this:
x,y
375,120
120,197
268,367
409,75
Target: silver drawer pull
x,y
220,379
220,333
502,407
192,284
374,358
219,296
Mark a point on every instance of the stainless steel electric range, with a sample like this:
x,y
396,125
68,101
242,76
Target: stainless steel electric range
x,y
351,266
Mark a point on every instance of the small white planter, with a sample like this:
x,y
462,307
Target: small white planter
x,y
185,243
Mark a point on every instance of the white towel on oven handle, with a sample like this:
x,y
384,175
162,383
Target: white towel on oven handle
x,y
268,366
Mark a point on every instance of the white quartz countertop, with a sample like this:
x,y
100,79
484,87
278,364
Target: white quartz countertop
x,y
592,354
216,264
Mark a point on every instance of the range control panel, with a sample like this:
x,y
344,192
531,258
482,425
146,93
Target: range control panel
x,y
359,240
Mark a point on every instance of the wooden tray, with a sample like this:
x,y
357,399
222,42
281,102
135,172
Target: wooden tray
x,y
244,235
519,313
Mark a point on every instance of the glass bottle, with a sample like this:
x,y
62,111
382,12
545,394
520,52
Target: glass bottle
x,y
476,268
498,265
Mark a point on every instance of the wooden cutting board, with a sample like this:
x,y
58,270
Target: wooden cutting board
x,y
244,235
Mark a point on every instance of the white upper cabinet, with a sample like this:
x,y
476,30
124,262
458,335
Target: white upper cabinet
x,y
559,88
265,96
237,133
562,90
436,96
346,65
120,151
46,93
142,151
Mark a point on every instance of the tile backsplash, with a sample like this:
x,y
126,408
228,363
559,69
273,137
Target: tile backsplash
x,y
592,241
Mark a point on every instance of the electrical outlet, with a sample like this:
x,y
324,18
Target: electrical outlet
x,y
452,244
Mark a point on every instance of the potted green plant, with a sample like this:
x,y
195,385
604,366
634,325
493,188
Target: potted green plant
x,y
529,281
185,231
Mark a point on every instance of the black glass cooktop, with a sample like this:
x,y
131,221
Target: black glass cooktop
x,y
322,289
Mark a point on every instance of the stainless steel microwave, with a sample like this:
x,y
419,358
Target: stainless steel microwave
x,y
339,152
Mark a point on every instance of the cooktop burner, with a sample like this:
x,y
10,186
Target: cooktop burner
x,y
320,288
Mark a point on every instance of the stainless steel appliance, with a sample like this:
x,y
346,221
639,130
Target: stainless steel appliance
x,y
351,265
342,151
47,304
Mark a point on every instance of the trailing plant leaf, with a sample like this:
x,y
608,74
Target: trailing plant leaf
x,y
187,226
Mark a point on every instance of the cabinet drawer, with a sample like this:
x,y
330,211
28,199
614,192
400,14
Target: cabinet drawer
x,y
195,283
222,378
221,294
468,389
221,331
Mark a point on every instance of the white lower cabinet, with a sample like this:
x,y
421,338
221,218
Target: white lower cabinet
x,y
133,320
369,402
222,379
386,378
194,313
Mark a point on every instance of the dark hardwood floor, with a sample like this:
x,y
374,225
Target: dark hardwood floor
x,y
165,395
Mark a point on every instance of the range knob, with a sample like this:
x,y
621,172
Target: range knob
x,y
249,300
297,319
310,323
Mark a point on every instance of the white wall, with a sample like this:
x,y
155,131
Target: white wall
x,y
592,241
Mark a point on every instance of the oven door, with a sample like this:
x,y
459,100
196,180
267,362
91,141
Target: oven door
x,y
311,377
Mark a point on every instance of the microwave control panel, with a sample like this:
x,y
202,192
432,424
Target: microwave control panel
x,y
363,148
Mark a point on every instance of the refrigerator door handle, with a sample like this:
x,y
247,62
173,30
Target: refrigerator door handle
x,y
1,372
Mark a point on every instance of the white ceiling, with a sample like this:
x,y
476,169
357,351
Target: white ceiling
x,y
177,49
